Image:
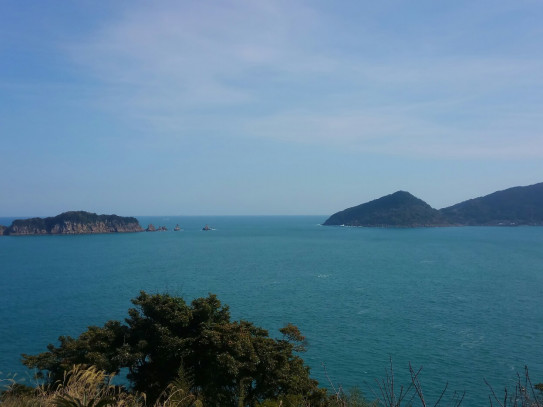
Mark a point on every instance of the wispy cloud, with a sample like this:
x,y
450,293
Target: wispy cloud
x,y
262,69
400,133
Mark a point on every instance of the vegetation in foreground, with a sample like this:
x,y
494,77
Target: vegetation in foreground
x,y
184,355
164,340
89,387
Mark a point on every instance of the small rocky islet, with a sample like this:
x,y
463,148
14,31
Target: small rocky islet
x,y
152,228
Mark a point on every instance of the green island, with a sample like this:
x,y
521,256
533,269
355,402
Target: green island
x,y
70,223
511,207
194,355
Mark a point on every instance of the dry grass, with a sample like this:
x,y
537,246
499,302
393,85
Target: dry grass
x,y
89,387
86,386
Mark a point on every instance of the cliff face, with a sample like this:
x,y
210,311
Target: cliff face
x,y
72,223
2,230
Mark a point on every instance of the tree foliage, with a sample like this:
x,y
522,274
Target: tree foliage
x,y
226,362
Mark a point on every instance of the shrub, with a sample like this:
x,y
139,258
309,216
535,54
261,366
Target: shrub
x,y
229,362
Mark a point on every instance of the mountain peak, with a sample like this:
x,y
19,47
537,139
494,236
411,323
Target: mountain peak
x,y
513,206
399,209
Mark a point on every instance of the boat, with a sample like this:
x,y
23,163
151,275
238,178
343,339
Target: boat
x,y
206,227
177,228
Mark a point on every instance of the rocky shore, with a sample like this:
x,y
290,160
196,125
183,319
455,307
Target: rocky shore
x,y
72,223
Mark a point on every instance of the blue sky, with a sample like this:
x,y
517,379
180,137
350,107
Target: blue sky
x,y
265,107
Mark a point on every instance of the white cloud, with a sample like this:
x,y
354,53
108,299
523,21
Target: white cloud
x,y
177,66
397,133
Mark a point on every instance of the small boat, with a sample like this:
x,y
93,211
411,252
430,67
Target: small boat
x,y
206,227
177,228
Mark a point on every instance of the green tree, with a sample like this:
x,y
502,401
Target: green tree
x,y
228,363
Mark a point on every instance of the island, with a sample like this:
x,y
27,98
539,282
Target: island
x,y
400,209
511,207
73,223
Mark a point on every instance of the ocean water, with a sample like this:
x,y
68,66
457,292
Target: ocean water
x,y
465,304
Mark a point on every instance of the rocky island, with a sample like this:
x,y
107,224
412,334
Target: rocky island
x,y
72,223
511,207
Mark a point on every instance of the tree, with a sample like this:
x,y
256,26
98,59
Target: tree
x,y
228,363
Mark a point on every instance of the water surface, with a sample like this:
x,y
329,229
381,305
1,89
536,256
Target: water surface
x,y
464,303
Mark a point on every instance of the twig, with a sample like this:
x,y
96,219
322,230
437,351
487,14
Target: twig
x,y
330,381
529,382
494,394
442,393
416,383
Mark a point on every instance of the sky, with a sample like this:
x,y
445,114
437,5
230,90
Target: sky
x,y
248,107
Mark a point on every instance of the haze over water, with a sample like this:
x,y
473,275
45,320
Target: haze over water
x,y
464,303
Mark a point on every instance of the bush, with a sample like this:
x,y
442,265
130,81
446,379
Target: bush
x,y
227,363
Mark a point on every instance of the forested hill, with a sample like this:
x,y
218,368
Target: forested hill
x,y
74,222
400,209
513,206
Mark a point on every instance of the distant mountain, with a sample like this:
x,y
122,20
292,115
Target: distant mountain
x,y
513,206
400,209
72,223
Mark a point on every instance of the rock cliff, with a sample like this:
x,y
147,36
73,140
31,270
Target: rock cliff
x,y
73,223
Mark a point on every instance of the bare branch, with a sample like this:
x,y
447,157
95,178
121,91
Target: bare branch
x,y
494,394
442,393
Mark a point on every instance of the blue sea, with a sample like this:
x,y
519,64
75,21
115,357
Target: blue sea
x,y
465,304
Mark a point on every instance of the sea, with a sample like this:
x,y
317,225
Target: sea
x,y
463,304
